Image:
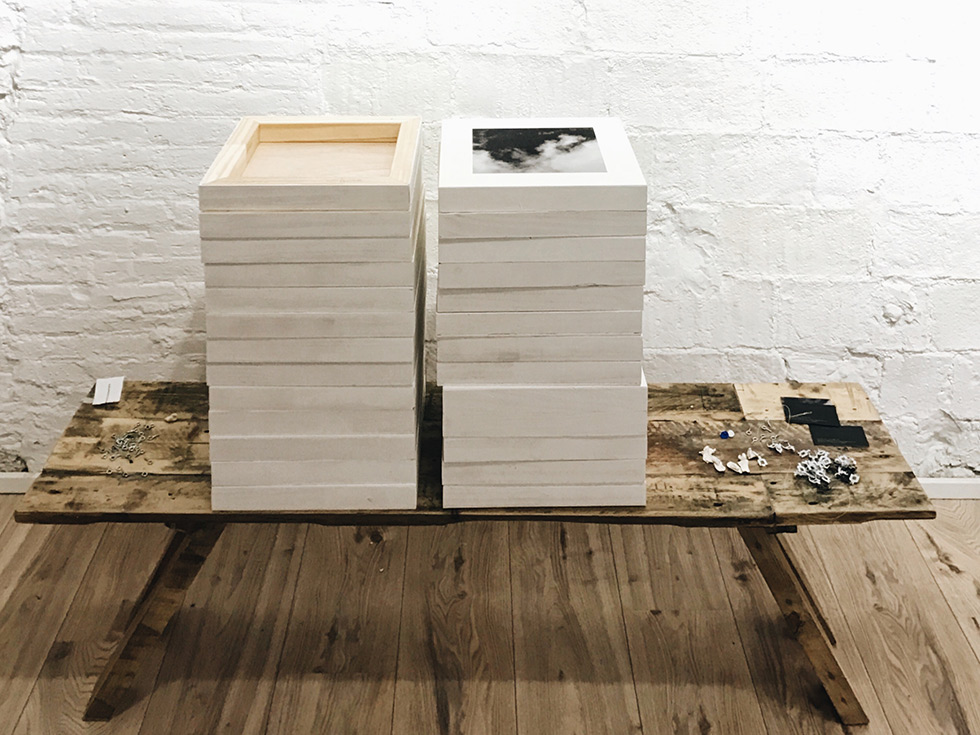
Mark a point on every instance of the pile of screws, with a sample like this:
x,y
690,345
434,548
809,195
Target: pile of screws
x,y
128,447
819,469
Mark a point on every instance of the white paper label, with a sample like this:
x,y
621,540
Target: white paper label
x,y
107,390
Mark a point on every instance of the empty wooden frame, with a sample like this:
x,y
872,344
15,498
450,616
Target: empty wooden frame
x,y
332,163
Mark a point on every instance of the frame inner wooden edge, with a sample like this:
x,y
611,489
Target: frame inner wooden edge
x,y
234,157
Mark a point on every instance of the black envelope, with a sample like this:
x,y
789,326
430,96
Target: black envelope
x,y
838,436
810,411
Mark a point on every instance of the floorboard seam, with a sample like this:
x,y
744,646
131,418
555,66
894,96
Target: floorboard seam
x,y
285,634
7,514
626,633
513,636
738,628
398,638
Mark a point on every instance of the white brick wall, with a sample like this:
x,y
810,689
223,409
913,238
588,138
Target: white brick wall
x,y
814,207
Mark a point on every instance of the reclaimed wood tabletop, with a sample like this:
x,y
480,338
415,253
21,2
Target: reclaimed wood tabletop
x,y
171,481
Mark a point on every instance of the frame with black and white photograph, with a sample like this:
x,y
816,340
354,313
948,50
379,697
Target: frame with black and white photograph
x,y
546,164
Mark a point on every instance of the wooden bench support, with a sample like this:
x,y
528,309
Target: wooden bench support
x,y
161,599
807,623
189,548
681,490
806,588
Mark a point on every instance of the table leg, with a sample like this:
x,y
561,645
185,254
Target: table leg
x,y
161,599
806,589
805,620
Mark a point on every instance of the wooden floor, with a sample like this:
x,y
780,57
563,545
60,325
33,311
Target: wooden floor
x,y
529,628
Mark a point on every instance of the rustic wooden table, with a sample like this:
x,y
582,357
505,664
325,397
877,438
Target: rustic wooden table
x,y
170,484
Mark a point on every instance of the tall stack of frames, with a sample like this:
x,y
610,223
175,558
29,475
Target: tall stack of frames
x,y
542,229
312,237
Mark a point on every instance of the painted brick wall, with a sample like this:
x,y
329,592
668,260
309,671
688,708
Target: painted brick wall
x,y
814,205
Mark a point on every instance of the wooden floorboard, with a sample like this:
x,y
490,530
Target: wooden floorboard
x,y
35,607
688,665
416,630
337,670
124,559
951,547
19,544
456,649
7,505
920,663
571,656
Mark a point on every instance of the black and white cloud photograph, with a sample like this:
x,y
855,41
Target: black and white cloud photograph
x,y
536,150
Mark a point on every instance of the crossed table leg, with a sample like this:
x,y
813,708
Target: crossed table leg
x,y
162,597
189,547
806,622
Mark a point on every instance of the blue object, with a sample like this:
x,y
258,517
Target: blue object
x,y
727,434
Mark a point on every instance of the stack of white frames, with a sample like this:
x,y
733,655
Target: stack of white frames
x,y
541,268
313,242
